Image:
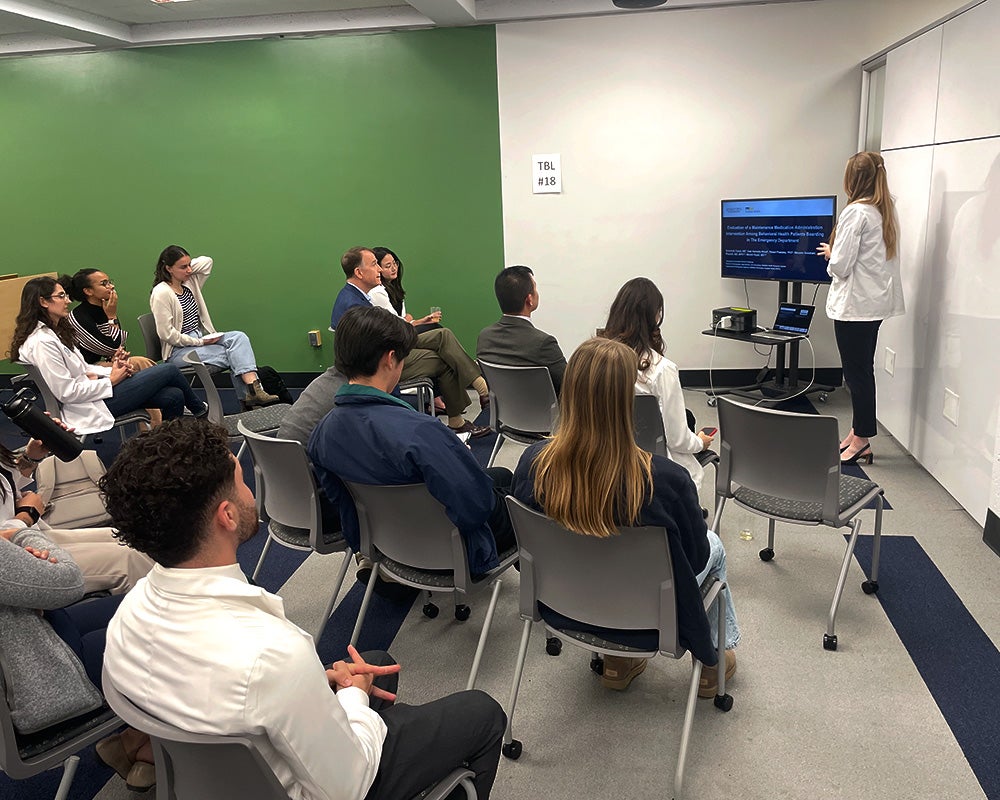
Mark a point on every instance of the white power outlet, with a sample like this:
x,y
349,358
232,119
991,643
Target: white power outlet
x,y
950,409
890,361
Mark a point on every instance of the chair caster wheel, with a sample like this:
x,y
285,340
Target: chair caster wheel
x,y
597,665
869,587
829,642
512,750
430,610
553,646
766,554
823,397
713,402
462,613
723,703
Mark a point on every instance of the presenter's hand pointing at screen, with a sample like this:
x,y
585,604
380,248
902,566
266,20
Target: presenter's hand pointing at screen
x,y
824,250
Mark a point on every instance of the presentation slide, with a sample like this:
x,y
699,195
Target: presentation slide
x,y
776,239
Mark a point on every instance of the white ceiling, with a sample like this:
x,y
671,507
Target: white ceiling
x,y
40,26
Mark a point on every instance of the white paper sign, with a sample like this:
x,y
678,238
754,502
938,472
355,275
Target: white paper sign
x,y
546,174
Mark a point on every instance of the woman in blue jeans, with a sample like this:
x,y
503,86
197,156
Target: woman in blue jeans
x,y
91,396
592,478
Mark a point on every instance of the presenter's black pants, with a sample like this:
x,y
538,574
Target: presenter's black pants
x,y
856,342
426,743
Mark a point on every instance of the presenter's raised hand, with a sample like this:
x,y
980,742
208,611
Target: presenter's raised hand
x,y
824,250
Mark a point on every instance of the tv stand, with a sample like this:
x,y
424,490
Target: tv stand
x,y
786,377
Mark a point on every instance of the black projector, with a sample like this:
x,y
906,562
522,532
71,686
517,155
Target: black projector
x,y
744,320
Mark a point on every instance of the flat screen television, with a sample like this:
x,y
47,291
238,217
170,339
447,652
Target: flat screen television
x,y
775,239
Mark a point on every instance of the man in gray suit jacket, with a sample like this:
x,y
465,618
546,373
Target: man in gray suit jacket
x,y
513,341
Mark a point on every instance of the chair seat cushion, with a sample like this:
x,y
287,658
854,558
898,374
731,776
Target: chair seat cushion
x,y
628,641
852,491
32,745
441,579
299,537
257,420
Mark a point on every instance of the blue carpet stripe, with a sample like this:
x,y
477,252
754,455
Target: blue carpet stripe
x,y
956,659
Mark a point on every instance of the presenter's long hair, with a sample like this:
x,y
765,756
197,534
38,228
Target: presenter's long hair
x,y
635,318
865,182
592,477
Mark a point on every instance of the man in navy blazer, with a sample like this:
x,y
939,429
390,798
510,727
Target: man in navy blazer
x,y
513,341
372,437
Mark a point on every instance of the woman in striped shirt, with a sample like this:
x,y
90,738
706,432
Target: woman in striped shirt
x,y
183,324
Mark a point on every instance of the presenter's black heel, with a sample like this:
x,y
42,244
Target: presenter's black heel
x,y
863,456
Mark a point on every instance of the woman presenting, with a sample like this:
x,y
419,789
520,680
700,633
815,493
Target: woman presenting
x,y
865,289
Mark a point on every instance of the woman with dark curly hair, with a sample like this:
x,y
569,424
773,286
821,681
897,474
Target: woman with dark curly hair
x,y
91,396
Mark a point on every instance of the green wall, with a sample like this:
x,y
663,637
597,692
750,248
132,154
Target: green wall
x,y
271,156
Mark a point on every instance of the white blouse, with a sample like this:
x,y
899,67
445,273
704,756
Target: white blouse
x,y
380,297
662,380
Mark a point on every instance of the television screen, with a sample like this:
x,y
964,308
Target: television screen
x,y
775,239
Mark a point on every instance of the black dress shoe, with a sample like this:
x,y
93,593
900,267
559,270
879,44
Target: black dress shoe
x,y
474,431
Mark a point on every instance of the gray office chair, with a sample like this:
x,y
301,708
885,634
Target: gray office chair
x,y
786,467
290,500
196,766
26,755
650,435
619,582
408,536
259,420
523,403
53,406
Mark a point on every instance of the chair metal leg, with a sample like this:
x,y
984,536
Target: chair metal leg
x,y
239,453
689,721
721,645
770,534
508,735
69,770
839,591
341,574
877,540
260,561
364,606
483,635
720,503
496,450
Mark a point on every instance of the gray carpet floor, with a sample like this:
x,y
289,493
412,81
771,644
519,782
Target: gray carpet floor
x,y
807,723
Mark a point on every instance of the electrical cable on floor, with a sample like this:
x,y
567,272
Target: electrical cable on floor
x,y
812,380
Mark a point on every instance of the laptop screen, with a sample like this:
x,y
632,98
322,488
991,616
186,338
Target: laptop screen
x,y
793,318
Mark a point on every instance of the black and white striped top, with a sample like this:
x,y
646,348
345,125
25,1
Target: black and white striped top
x,y
97,336
192,320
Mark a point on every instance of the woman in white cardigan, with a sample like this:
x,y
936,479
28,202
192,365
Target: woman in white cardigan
x,y
183,324
635,318
91,396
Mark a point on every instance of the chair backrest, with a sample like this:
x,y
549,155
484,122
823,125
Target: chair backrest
x,y
778,453
408,525
523,398
289,486
147,325
51,404
649,433
205,378
623,582
195,766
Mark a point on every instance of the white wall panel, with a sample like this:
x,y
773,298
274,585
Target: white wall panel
x,y
969,93
911,91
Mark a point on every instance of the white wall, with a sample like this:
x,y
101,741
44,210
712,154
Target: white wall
x,y
946,177
658,117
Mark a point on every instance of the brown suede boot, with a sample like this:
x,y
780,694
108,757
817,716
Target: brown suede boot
x,y
709,683
620,671
256,396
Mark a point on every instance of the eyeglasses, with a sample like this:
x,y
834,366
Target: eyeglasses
x,y
60,296
106,283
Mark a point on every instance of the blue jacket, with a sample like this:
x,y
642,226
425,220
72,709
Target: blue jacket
x,y
372,437
347,298
673,505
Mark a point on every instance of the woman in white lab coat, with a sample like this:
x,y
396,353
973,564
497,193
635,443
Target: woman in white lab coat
x,y
865,289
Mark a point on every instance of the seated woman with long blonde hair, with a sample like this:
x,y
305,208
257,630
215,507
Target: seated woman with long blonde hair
x,y
592,478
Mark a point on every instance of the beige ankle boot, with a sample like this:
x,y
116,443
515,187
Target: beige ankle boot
x,y
256,396
620,671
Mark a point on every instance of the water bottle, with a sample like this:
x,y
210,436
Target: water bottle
x,y
25,414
